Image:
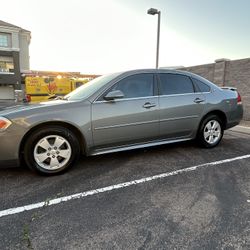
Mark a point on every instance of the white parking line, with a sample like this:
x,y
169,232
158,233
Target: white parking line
x,y
51,202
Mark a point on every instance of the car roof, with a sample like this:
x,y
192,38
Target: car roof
x,y
151,70
170,71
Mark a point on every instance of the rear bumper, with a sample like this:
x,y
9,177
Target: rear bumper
x,y
234,117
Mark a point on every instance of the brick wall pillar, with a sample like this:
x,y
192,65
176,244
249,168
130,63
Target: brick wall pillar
x,y
220,71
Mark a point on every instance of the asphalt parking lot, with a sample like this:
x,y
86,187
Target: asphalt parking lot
x,y
203,207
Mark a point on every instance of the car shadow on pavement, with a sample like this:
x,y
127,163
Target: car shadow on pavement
x,y
93,166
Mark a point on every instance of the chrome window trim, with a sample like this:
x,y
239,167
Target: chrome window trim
x,y
150,97
204,92
194,93
128,99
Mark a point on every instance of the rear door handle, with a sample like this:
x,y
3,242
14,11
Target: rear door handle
x,y
149,105
198,100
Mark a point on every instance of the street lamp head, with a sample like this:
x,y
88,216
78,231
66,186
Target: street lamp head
x,y
153,11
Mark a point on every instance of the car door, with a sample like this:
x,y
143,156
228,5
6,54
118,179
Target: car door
x,y
131,119
180,105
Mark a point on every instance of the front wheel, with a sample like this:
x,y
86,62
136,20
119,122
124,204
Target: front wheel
x,y
210,132
51,150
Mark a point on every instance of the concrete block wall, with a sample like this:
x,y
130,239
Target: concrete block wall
x,y
206,70
238,75
233,73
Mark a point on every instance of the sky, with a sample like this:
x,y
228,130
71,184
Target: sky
x,y
103,36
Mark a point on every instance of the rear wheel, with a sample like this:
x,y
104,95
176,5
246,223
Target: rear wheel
x,y
210,132
51,150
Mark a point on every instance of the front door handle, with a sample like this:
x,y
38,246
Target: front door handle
x,y
149,105
198,100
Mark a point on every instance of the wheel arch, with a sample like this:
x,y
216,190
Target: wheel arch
x,y
220,114
74,129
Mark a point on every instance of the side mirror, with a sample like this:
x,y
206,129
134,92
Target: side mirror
x,y
115,94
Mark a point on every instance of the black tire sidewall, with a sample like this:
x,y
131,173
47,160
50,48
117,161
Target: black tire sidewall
x,y
200,135
37,135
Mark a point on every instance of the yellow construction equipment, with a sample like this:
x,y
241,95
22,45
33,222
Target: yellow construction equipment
x,y
44,88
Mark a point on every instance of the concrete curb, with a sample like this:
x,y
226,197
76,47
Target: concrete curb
x,y
241,129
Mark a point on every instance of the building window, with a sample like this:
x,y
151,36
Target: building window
x,y
6,64
5,40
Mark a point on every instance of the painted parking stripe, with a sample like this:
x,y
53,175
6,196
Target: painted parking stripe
x,y
55,201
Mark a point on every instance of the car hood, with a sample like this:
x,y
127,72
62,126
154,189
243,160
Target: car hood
x,y
26,107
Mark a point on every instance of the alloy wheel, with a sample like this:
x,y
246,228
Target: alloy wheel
x,y
212,132
52,152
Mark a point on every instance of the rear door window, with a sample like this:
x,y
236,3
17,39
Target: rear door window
x,y
174,84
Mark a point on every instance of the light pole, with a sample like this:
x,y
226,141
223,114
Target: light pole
x,y
153,11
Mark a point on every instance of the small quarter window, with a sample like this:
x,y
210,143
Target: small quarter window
x,y
200,86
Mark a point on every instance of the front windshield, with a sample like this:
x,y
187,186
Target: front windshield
x,y
90,87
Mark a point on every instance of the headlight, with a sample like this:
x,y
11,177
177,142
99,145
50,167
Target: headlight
x,y
4,123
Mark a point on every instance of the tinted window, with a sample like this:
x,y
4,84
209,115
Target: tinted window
x,y
201,87
172,84
140,85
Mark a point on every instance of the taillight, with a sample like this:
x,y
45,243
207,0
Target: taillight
x,y
239,101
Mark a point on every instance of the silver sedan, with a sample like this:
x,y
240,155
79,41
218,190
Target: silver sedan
x,y
116,112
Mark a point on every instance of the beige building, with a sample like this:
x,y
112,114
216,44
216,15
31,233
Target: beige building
x,y
14,58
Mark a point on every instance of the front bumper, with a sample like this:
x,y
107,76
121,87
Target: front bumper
x,y
10,141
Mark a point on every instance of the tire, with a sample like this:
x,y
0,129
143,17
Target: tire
x,y
210,132
51,150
